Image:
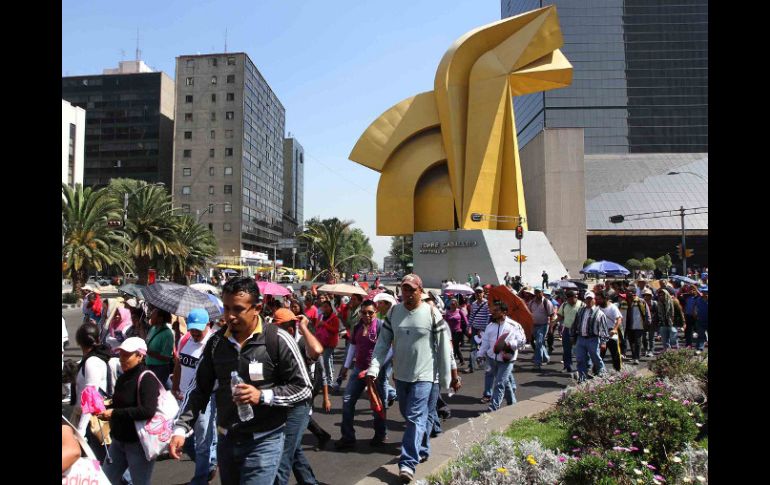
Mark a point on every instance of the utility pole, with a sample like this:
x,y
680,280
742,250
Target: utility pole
x,y
684,249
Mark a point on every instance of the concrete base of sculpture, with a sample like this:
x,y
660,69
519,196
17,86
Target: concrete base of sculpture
x,y
441,255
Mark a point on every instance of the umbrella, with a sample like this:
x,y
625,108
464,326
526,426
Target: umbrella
x,y
215,299
133,290
206,288
269,288
179,300
517,309
605,267
229,271
373,293
683,279
459,289
342,289
564,284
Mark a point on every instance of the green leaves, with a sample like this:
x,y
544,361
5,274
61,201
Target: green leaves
x,y
341,247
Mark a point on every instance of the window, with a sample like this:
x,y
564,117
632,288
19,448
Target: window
x,y
213,62
211,227
211,190
186,172
228,133
211,153
230,78
186,190
187,153
188,117
228,152
231,61
188,98
188,135
213,116
189,81
231,96
186,208
213,80
228,189
213,134
228,170
230,115
190,62
226,226
211,171
213,97
211,208
228,207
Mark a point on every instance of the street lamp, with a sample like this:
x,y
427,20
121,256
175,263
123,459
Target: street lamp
x,y
127,195
691,173
210,208
519,220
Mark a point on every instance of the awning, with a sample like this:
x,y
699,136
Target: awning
x,y
231,266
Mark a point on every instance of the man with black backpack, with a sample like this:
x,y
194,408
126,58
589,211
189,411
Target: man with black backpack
x,y
274,378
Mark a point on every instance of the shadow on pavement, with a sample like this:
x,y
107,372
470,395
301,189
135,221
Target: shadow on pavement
x,y
555,385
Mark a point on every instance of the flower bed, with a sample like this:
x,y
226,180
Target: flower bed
x,y
621,428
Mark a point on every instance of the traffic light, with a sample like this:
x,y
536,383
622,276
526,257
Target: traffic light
x,y
689,252
679,250
520,258
519,232
114,223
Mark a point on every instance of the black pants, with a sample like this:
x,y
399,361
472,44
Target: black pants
x,y
648,340
635,339
457,338
690,321
549,338
614,348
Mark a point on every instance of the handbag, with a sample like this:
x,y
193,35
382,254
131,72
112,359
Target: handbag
x,y
86,469
100,428
155,433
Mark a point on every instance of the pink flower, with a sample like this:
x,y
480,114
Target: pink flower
x,y
634,434
562,459
660,478
633,448
617,431
651,467
575,450
575,437
610,464
686,402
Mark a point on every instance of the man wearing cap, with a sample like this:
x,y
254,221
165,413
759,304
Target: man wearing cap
x,y
542,316
702,317
202,449
566,315
552,326
478,319
385,301
636,318
422,354
590,333
274,379
687,297
641,284
648,339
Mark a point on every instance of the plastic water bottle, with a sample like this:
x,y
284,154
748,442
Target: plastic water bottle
x,y
244,410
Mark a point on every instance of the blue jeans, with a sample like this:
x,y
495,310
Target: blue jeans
x,y
386,371
202,446
489,379
128,456
413,400
668,337
352,392
703,335
432,422
541,351
502,373
293,457
566,342
327,364
246,461
588,348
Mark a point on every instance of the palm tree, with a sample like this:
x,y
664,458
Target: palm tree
x,y
198,244
150,223
357,245
88,242
329,237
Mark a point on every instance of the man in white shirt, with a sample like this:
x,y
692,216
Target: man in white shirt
x,y
501,362
615,318
203,448
589,332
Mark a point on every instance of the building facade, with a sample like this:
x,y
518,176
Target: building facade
x,y
293,196
640,79
228,151
73,125
129,123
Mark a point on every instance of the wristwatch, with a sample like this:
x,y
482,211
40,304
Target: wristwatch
x,y
261,397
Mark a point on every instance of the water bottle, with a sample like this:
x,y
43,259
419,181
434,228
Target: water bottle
x,y
244,410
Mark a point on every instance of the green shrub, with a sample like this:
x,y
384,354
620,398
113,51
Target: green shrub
x,y
548,429
635,415
69,298
612,468
680,362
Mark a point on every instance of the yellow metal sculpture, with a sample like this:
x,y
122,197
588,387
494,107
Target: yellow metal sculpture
x,y
447,153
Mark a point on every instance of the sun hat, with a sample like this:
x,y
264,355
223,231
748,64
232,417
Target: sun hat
x,y
385,297
197,319
283,315
589,294
134,344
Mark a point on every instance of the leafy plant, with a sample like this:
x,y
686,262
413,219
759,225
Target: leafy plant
x,y
647,264
679,362
588,261
69,298
633,264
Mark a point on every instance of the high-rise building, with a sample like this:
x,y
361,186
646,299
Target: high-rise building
x,y
228,152
73,125
640,78
129,123
293,195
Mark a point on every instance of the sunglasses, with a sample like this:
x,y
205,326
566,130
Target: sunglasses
x,y
370,313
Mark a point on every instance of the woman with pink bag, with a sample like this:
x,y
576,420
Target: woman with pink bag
x,y
129,406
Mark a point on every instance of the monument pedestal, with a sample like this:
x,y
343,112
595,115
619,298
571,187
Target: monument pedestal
x,y
442,255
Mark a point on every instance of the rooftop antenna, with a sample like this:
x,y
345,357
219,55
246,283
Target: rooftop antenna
x,y
138,52
225,39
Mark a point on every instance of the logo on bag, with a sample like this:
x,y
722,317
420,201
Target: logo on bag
x,y
157,426
83,475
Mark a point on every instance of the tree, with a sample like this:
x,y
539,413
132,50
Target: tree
x,y
150,223
329,237
588,261
88,242
356,244
648,264
199,246
633,264
401,249
663,263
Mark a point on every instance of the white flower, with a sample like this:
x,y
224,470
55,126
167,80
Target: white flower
x,y
637,471
677,459
691,414
698,425
658,404
646,450
700,478
655,482
687,480
644,463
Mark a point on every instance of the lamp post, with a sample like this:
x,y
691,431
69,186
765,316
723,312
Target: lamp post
x,y
690,173
210,208
519,220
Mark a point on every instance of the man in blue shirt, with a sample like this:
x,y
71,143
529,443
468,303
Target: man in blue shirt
x,y
701,316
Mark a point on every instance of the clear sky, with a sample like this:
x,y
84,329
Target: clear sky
x,y
335,65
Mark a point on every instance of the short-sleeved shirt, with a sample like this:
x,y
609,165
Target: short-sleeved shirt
x,y
160,340
569,312
612,313
189,356
538,310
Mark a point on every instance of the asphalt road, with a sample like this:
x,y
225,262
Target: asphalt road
x,y
342,468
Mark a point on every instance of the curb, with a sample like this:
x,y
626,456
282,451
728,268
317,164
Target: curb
x,y
69,306
442,448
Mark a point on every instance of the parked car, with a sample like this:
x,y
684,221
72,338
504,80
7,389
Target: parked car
x,y
289,277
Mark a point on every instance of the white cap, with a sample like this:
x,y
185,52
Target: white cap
x,y
290,289
134,344
385,297
589,294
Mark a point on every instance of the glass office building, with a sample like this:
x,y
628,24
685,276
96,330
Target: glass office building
x,y
640,78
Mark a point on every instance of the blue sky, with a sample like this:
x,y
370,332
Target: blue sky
x,y
335,65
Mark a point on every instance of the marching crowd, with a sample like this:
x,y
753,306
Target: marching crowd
x,y
245,382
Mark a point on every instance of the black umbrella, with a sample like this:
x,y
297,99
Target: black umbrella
x,y
179,300
133,290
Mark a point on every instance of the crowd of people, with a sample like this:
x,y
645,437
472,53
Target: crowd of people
x,y
246,382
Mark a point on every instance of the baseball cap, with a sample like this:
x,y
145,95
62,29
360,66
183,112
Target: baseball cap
x,y
385,297
647,291
704,289
289,288
412,280
197,319
134,344
537,288
547,291
283,315
589,294
479,289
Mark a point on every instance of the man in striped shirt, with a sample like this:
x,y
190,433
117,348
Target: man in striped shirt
x,y
478,319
